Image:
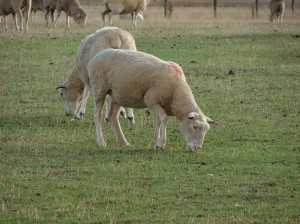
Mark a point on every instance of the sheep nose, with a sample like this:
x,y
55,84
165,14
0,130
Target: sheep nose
x,y
68,114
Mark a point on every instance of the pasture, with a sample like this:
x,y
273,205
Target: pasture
x,y
244,74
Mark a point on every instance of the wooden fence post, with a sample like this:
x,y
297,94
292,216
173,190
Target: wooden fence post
x,y
215,8
293,5
256,7
165,6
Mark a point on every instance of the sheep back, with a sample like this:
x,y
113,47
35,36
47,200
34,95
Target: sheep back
x,y
108,37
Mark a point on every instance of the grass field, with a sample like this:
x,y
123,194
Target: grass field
x,y
245,74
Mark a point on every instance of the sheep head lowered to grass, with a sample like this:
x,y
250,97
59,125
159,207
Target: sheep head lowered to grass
x,y
75,90
139,80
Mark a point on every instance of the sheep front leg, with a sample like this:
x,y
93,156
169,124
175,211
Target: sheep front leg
x,y
15,17
56,18
97,121
160,133
68,21
85,96
115,124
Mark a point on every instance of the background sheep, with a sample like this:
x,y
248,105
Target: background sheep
x,y
16,8
77,87
140,80
277,10
134,7
72,8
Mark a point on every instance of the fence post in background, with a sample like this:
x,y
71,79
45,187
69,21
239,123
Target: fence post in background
x,y
215,8
165,6
293,5
256,7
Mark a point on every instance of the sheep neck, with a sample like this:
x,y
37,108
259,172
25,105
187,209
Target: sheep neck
x,y
184,102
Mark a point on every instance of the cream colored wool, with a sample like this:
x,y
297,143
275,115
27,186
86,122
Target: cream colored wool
x,y
72,8
115,7
277,10
139,80
77,86
17,8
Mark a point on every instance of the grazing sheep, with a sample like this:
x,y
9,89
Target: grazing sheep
x,y
77,88
72,8
277,10
139,80
134,7
17,8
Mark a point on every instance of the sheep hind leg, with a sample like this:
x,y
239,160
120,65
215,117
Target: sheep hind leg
x,y
106,12
115,124
97,121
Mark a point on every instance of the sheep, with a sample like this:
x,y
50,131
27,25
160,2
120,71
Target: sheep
x,y
72,8
139,80
134,7
77,88
16,8
277,10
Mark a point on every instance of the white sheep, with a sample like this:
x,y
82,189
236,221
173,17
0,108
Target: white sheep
x,y
17,8
72,8
277,10
77,88
115,7
139,80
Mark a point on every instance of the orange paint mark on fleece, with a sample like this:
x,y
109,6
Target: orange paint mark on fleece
x,y
176,69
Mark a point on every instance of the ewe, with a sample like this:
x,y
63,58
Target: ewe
x,y
72,8
277,10
17,8
77,88
139,80
115,7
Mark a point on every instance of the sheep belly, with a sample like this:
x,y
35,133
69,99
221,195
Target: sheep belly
x,y
131,99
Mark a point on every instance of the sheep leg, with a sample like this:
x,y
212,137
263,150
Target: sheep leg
x,y
160,133
27,13
46,16
68,20
5,23
108,102
85,96
115,124
106,12
97,120
18,19
56,18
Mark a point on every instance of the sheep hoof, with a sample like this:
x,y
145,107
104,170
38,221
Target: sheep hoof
x,y
106,120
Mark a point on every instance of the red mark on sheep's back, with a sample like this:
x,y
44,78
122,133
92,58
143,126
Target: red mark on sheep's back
x,y
176,69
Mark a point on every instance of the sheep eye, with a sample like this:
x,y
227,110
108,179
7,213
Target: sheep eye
x,y
61,94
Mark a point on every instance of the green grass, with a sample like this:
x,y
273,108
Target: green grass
x,y
244,76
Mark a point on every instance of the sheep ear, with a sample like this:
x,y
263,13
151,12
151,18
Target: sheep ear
x,y
191,116
62,86
209,120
